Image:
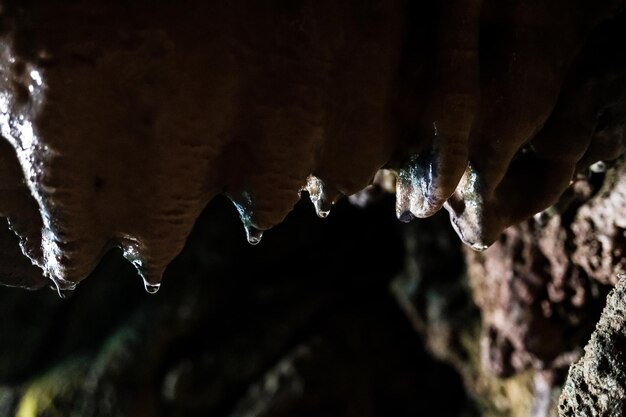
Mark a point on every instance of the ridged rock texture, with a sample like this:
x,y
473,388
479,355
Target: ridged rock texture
x,y
120,121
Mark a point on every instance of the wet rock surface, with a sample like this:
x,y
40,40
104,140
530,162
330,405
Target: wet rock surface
x,y
415,326
463,106
119,129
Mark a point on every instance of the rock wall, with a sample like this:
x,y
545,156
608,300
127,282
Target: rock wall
x,y
119,129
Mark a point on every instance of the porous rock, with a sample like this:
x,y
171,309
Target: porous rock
x,y
596,384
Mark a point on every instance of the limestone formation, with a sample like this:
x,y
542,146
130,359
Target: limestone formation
x,y
120,121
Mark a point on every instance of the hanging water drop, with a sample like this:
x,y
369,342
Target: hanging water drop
x,y
543,217
151,280
151,288
253,234
322,207
65,294
245,208
322,213
413,189
131,251
319,196
63,287
598,168
479,247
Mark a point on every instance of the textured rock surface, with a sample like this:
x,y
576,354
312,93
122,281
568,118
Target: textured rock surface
x,y
600,230
596,384
541,286
124,124
537,304
538,308
434,292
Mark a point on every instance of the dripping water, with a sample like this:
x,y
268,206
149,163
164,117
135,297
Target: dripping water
x,y
319,196
64,288
65,294
131,252
246,212
479,247
322,208
412,186
253,234
151,288
149,283
598,168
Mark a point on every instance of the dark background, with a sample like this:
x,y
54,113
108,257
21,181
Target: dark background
x,y
304,324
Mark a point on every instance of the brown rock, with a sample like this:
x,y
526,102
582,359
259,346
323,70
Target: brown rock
x,y
596,384
127,122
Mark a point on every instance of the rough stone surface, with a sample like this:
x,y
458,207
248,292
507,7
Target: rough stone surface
x,y
596,384
434,292
538,308
541,286
600,230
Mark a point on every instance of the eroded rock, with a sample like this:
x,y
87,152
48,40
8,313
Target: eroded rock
x,y
538,308
596,384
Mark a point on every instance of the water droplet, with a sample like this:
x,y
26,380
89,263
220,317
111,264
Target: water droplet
x,y
406,217
598,168
151,288
414,188
245,208
253,234
323,213
479,247
319,196
543,217
151,281
63,287
322,208
65,294
151,276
